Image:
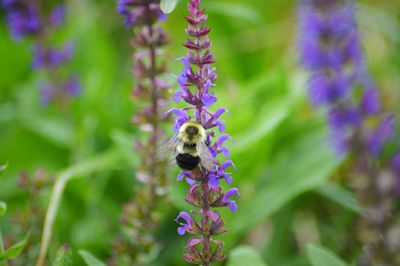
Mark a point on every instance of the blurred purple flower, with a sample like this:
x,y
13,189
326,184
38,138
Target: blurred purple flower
x,y
380,135
57,16
22,18
27,18
331,50
51,58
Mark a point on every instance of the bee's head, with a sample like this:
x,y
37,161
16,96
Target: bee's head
x,y
192,132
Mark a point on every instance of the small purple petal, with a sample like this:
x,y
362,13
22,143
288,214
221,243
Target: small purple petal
x,y
226,165
221,126
185,63
228,179
213,180
230,193
208,99
185,216
181,230
233,206
190,181
177,96
180,176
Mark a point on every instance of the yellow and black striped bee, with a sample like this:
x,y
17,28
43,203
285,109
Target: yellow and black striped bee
x,y
189,147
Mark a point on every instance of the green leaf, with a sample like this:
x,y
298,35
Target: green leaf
x,y
14,250
245,255
237,11
123,141
54,130
289,177
3,208
89,259
63,257
267,120
318,256
3,167
167,6
339,195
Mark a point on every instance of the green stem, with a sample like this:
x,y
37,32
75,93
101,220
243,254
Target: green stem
x,y
99,163
2,263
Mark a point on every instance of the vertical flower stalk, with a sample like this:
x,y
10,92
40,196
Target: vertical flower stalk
x,y
340,83
28,19
140,216
205,193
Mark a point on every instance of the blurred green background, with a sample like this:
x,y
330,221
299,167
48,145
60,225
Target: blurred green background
x,y
292,185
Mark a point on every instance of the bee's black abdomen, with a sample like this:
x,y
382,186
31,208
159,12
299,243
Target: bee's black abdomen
x,y
187,161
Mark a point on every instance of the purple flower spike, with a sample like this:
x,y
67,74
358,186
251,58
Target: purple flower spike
x,y
196,81
31,19
339,83
149,96
184,227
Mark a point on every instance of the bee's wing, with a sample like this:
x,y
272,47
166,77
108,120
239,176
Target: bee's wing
x,y
206,158
169,148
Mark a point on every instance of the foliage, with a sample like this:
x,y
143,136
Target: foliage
x,y
292,184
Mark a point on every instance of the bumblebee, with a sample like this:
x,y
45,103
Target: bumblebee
x,y
189,147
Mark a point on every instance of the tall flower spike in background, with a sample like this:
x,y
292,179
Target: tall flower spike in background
x,y
28,19
140,217
331,51
205,192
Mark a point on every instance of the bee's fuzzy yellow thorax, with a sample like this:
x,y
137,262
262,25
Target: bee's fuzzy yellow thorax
x,y
196,132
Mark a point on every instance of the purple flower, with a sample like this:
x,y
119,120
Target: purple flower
x,y
370,104
341,119
207,98
213,121
378,137
57,16
29,18
325,90
186,225
182,115
220,173
73,87
51,58
22,18
123,9
231,203
218,148
187,175
136,12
